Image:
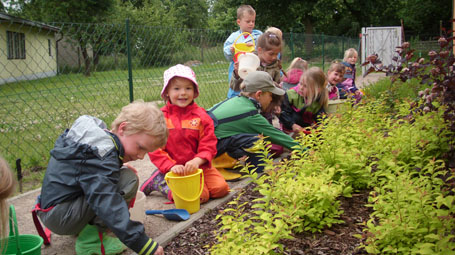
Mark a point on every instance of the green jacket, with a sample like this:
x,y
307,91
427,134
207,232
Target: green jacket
x,y
253,124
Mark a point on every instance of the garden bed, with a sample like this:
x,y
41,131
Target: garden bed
x,y
338,239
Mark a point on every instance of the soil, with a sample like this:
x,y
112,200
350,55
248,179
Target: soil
x,y
338,239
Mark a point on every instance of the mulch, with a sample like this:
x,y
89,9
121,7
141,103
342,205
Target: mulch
x,y
337,240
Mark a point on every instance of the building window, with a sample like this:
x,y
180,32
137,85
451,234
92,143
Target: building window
x,y
49,45
16,45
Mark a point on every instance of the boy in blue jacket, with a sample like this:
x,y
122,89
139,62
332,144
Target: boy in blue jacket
x,y
246,17
86,183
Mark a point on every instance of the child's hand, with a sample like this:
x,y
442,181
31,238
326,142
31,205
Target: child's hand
x,y
131,167
236,70
178,169
232,49
249,44
159,251
296,128
192,165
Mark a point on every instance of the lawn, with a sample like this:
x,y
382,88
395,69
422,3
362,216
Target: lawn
x,y
35,112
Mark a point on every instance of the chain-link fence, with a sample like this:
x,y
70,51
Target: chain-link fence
x,y
52,73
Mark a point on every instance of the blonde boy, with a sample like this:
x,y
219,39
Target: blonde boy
x,y
246,18
86,182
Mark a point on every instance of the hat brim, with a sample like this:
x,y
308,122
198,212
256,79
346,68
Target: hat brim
x,y
278,91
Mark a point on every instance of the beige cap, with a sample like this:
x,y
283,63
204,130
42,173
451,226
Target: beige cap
x,y
260,80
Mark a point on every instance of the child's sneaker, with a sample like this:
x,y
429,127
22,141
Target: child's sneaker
x,y
156,182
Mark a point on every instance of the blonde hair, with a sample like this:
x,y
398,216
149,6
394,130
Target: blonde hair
x,y
349,53
268,41
316,83
143,117
245,8
298,63
7,187
276,31
336,67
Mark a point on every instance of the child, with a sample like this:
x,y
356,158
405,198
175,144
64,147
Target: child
x,y
305,104
191,143
334,77
86,182
246,17
7,186
348,85
294,72
238,121
279,33
268,48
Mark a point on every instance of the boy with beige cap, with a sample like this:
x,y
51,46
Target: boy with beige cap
x,y
238,121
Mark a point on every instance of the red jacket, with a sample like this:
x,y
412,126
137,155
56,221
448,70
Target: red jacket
x,y
191,134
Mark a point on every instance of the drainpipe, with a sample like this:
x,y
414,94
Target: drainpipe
x,y
56,53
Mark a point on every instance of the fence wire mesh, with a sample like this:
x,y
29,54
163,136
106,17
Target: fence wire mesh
x,y
52,73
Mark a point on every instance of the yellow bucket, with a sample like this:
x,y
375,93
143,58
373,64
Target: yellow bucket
x,y
186,190
240,48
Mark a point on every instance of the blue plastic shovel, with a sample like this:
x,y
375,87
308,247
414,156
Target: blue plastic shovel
x,y
171,214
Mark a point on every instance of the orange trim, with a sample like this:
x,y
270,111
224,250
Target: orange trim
x,y
169,123
193,124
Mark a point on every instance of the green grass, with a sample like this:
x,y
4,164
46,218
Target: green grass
x,y
34,113
397,90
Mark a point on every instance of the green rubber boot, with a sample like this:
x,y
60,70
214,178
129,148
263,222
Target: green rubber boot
x,y
88,243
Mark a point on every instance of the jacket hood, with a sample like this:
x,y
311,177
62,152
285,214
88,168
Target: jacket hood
x,y
87,134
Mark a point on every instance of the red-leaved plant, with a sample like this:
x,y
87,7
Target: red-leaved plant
x,y
437,71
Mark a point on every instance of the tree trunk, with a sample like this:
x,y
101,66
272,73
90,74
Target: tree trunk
x,y
308,39
86,61
96,53
96,60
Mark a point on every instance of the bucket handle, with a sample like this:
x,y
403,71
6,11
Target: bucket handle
x,y
254,44
200,191
13,224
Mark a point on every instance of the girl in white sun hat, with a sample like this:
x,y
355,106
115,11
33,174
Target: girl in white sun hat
x,y
191,142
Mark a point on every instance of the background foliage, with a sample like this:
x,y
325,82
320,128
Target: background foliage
x,y
334,17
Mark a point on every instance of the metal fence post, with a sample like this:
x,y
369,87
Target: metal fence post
x,y
130,71
342,45
291,45
323,55
202,48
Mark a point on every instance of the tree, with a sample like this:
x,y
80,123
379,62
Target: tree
x,y
223,14
423,16
300,16
190,14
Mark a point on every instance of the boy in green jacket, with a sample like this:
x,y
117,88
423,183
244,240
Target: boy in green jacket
x,y
238,121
